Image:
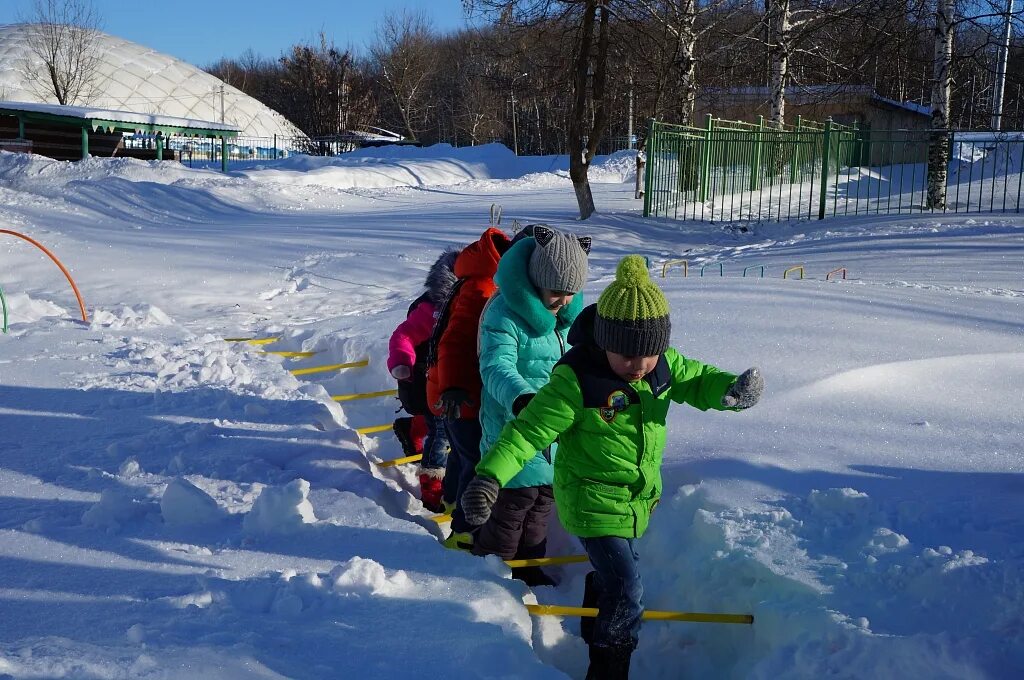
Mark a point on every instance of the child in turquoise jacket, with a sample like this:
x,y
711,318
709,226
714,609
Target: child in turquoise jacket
x,y
523,333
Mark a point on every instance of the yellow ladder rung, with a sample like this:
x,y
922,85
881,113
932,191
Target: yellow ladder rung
x,y
291,354
254,341
694,617
364,395
547,561
373,429
329,367
400,461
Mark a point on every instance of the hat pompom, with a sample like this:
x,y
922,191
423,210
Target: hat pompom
x,y
632,271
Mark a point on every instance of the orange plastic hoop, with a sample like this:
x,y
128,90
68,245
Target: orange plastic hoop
x,y
81,304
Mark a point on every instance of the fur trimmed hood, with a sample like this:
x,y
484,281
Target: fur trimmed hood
x,y
441,277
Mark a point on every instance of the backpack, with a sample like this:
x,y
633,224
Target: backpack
x,y
444,313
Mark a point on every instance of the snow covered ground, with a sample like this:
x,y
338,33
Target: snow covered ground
x,y
176,506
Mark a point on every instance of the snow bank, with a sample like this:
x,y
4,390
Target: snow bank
x,y
185,504
24,309
280,510
129,317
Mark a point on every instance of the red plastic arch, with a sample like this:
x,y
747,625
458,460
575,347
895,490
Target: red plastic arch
x,y
37,244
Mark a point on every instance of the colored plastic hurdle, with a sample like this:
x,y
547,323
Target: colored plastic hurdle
x,y
329,367
253,341
721,268
836,271
364,395
649,615
548,561
669,263
400,461
291,355
799,268
67,274
754,266
373,429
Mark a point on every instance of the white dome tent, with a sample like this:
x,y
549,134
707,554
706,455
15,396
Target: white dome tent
x,y
132,77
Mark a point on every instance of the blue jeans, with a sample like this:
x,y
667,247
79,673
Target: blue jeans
x,y
464,435
620,592
435,444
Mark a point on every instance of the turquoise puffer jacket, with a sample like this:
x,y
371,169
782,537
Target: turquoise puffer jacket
x,y
519,343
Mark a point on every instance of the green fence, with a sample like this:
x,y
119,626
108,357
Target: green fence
x,y
731,171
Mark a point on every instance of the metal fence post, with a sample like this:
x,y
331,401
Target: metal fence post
x,y
755,156
795,157
652,151
826,146
705,160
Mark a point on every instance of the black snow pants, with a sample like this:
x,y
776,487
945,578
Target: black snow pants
x,y
518,527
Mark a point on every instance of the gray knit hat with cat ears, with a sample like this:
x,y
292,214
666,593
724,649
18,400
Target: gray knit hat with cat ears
x,y
559,262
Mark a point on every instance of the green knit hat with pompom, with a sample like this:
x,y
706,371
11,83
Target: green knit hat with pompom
x,y
632,312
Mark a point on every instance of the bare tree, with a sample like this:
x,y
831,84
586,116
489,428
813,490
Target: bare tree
x,y
788,28
405,57
587,25
938,144
949,16
317,78
589,78
65,38
687,21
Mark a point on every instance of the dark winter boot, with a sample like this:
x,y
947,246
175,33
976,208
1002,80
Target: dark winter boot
x,y
532,576
430,488
403,431
609,663
589,600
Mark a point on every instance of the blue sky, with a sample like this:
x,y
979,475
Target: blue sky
x,y
202,31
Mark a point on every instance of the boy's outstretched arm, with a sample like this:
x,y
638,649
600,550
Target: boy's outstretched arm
x,y
698,384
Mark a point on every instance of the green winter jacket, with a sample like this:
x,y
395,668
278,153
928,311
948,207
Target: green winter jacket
x,y
520,341
611,434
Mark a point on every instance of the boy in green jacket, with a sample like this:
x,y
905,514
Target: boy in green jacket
x,y
606,402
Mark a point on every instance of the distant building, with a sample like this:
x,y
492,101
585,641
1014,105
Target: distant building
x,y
132,77
845,104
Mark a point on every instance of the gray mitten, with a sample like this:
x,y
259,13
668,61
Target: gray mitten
x,y
746,391
478,499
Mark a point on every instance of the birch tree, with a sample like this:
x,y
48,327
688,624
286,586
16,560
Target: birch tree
x,y
938,143
688,24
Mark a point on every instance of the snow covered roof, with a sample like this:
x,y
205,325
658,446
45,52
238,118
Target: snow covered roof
x,y
127,117
132,77
804,94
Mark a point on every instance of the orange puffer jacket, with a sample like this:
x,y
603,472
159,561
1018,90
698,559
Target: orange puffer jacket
x,y
457,364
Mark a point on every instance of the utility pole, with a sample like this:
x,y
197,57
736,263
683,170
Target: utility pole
x,y
222,103
629,127
515,131
1000,84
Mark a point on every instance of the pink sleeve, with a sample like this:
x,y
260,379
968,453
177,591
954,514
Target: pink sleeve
x,y
411,332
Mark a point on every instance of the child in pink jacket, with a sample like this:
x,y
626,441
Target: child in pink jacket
x,y
407,362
